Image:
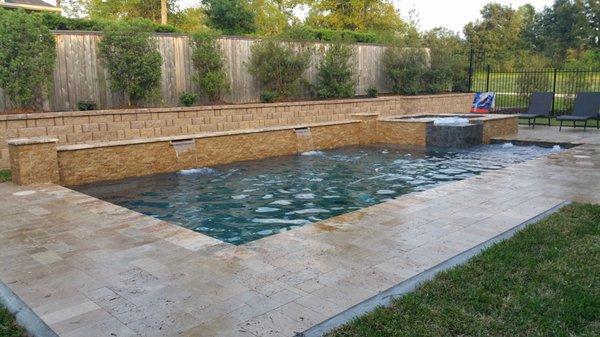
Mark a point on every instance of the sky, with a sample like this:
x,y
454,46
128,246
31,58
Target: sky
x,y
453,14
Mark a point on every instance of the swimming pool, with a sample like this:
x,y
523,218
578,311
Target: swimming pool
x,y
242,202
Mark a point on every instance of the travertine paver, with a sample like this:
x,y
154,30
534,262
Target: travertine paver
x,y
90,268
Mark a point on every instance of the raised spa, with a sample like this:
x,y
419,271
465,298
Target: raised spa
x,y
242,202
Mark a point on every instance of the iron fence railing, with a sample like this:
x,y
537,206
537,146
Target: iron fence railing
x,y
514,88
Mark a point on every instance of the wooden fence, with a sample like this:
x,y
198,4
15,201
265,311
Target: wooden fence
x,y
79,74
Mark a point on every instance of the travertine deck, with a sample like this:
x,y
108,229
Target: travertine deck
x,y
90,268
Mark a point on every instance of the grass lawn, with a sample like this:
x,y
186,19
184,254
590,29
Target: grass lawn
x,y
8,326
4,177
545,281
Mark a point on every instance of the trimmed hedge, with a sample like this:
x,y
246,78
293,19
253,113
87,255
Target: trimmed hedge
x,y
307,33
56,22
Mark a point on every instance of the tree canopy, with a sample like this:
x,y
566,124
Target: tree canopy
x,y
232,17
376,15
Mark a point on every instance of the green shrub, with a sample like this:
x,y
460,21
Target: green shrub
x,y
405,68
449,57
5,175
372,92
307,33
208,63
27,56
335,77
278,67
57,22
232,17
188,98
268,96
132,59
86,105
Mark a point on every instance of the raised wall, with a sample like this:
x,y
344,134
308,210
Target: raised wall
x,y
113,125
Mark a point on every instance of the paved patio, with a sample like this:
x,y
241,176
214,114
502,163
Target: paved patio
x,y
90,268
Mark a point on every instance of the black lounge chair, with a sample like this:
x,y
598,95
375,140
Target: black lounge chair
x,y
540,106
587,107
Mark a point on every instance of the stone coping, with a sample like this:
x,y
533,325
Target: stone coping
x,y
41,115
480,117
31,141
125,142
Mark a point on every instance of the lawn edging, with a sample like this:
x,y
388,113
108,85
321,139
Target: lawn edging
x,y
26,318
385,298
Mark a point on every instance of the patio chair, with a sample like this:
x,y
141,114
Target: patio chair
x,y
587,107
540,106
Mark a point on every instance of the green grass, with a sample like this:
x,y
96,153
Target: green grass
x,y
545,281
8,326
4,176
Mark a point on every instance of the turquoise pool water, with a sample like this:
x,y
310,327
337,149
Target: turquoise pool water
x,y
246,201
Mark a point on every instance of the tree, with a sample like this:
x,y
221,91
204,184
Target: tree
x,y
27,56
208,64
122,9
231,17
131,58
335,77
189,19
448,55
376,15
567,27
271,17
498,34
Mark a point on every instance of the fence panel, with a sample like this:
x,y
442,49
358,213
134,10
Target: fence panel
x,y
80,76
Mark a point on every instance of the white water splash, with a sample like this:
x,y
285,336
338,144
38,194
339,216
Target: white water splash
x,y
451,121
266,210
282,202
308,211
313,153
202,170
557,148
507,145
239,197
298,222
305,196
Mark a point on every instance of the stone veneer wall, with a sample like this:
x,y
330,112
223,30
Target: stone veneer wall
x,y
87,164
113,125
39,160
500,127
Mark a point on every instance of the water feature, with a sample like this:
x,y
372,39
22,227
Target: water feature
x,y
304,140
241,202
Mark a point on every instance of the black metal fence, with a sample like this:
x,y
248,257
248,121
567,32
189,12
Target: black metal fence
x,y
514,88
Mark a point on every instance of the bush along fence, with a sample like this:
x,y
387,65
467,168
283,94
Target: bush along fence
x,y
80,75
514,88
128,64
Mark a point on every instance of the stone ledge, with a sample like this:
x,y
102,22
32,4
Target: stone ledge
x,y
42,115
31,141
126,142
480,117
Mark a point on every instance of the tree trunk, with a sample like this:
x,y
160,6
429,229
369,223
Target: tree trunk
x,y
163,12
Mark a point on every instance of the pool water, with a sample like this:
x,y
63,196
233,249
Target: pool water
x,y
242,202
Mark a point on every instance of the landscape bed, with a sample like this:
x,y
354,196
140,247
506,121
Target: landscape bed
x,y
241,202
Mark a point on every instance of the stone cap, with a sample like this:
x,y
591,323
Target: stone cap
x,y
31,141
125,142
